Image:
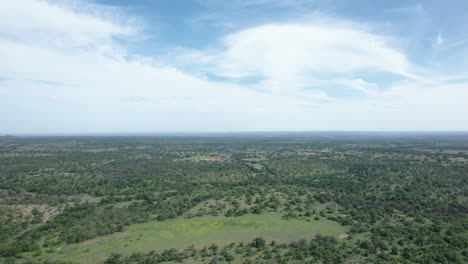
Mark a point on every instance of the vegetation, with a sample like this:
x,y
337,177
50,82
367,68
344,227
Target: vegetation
x,y
200,231
242,198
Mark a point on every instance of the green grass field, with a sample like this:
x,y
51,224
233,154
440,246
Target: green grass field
x,y
201,231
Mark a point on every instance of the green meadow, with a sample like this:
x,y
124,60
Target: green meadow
x,y
200,231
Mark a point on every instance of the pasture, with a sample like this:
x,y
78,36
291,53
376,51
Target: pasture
x,y
201,231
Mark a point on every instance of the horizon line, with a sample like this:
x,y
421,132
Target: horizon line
x,y
39,134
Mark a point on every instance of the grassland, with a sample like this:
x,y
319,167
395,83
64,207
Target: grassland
x,y
400,198
200,231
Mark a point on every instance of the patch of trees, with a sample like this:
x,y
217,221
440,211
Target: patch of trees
x,y
403,198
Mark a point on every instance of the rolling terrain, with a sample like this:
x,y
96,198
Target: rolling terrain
x,y
328,197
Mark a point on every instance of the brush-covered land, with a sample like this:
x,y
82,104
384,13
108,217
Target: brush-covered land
x,y
328,197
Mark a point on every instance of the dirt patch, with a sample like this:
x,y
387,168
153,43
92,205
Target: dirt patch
x,y
215,159
344,236
48,211
99,150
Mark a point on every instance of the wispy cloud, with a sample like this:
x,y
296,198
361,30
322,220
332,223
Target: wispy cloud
x,y
68,68
439,39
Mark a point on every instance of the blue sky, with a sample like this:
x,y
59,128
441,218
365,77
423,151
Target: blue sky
x,y
206,65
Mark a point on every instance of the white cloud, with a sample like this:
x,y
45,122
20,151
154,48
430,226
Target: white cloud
x,y
42,23
439,39
279,51
79,88
63,71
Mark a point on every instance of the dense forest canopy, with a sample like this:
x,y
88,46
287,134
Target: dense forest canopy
x,y
381,197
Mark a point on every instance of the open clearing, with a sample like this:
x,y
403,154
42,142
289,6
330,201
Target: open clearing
x,y
201,231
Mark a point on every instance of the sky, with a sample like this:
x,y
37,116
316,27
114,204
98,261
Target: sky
x,y
110,66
